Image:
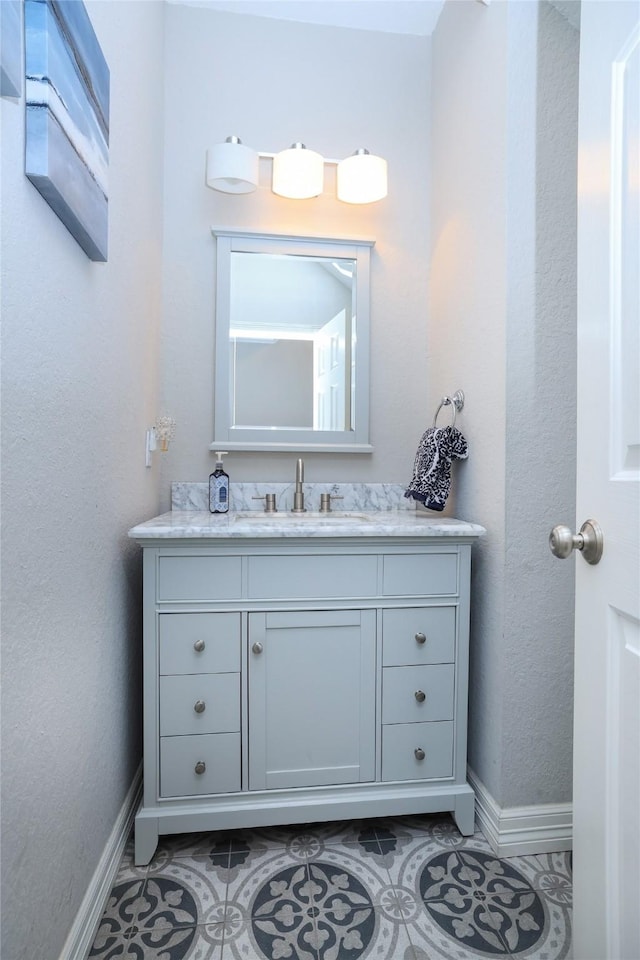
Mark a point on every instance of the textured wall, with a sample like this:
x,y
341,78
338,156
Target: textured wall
x,y
79,384
502,328
467,336
541,410
271,83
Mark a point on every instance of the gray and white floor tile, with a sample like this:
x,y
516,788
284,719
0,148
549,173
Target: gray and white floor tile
x,y
408,888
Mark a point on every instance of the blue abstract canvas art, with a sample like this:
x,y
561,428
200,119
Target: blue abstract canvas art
x,y
10,48
67,118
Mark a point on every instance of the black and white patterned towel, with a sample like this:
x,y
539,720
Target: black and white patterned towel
x,y
431,480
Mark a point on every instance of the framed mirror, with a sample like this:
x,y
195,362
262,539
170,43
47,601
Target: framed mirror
x,y
291,343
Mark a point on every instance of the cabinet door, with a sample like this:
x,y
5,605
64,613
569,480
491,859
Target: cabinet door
x,y
311,698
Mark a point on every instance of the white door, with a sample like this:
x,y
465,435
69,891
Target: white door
x,y
329,381
607,643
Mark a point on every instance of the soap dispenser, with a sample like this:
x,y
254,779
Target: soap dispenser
x,y
219,486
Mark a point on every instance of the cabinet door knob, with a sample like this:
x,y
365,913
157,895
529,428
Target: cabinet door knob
x,y
420,696
419,753
421,638
200,767
257,647
199,646
199,706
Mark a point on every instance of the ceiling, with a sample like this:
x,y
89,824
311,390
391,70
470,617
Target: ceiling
x,y
417,17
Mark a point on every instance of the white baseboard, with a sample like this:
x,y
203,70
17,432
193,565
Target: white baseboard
x,y
520,831
85,925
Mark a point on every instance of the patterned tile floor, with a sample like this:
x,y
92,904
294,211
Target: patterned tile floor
x,y
410,888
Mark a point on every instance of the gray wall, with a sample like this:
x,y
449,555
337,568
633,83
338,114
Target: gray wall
x,y
271,83
502,327
80,345
274,383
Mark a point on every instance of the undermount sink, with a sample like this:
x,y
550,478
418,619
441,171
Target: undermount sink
x,y
312,515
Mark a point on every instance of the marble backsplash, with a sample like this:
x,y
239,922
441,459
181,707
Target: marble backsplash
x,y
242,496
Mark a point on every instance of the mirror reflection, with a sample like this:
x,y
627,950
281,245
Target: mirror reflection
x,y
292,343
293,327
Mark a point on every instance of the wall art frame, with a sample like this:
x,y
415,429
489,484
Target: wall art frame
x,y
67,118
11,49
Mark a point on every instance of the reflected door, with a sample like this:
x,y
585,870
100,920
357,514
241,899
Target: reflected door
x,y
331,385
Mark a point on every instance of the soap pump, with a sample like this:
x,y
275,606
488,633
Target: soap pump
x,y
219,486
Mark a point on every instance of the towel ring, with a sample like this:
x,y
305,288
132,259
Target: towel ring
x,y
456,402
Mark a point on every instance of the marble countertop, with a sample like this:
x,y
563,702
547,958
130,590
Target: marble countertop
x,y
197,524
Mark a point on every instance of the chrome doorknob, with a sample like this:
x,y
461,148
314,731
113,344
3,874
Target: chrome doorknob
x,y
257,647
562,542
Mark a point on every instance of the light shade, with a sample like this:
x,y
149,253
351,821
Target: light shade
x,y
298,173
232,167
362,178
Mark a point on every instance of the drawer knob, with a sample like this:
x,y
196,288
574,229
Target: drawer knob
x,y
200,767
419,753
257,647
199,706
420,696
421,638
198,646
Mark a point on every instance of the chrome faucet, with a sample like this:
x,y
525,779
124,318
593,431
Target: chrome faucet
x,y
298,496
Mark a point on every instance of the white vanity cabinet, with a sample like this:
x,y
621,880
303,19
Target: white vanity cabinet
x,y
290,679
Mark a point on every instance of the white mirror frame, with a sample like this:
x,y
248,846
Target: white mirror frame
x,y
229,437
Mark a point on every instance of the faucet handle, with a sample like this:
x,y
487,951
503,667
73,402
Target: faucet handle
x,y
325,501
269,502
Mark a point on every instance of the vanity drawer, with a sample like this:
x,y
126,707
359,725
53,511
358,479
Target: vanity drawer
x,y
199,578
422,575
313,577
413,694
417,751
199,642
209,703
217,755
418,635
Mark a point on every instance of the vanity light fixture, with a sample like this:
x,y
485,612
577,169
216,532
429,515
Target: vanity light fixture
x,y
232,167
297,173
362,178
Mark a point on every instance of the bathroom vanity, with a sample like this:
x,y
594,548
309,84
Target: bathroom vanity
x,y
303,668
